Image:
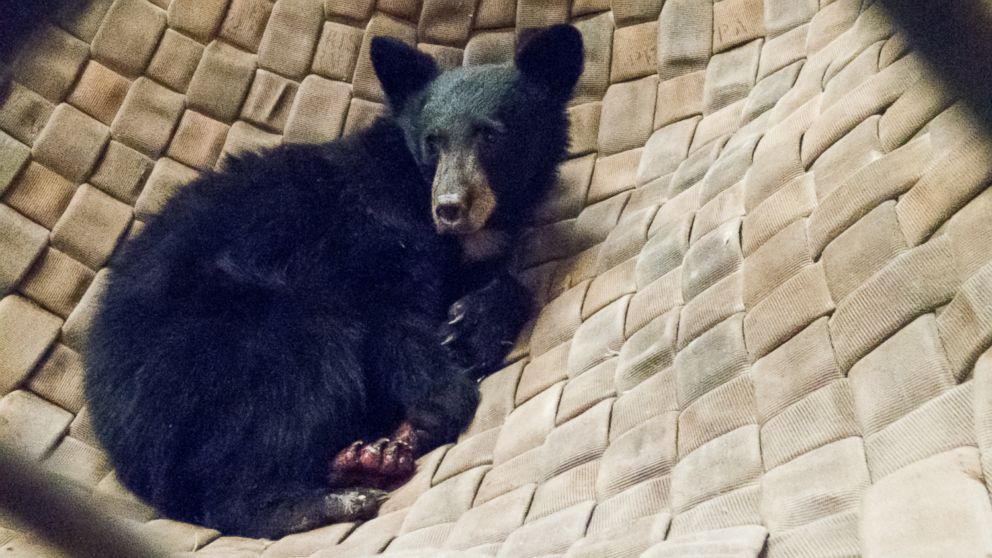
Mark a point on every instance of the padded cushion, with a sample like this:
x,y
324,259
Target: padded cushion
x,y
764,275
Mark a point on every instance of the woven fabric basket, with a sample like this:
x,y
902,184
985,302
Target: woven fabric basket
x,y
764,276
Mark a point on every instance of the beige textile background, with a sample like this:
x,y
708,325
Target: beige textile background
x,y
765,273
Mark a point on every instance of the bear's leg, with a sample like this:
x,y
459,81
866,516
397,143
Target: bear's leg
x,y
483,325
438,397
438,414
290,510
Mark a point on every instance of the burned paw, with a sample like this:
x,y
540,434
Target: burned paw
x,y
370,456
411,436
388,458
398,460
348,459
383,463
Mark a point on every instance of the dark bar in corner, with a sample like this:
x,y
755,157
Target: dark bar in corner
x,y
47,505
955,38
18,19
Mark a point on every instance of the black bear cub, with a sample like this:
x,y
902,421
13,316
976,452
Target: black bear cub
x,y
290,332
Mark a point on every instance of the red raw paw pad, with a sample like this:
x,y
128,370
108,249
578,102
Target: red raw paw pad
x,y
384,463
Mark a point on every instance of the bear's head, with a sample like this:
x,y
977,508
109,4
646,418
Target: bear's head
x,y
488,138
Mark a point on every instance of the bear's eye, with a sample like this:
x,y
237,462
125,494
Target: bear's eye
x,y
432,146
490,134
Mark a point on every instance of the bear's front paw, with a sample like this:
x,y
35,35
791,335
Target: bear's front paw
x,y
381,464
477,333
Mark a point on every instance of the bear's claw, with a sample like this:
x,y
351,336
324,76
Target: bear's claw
x,y
380,464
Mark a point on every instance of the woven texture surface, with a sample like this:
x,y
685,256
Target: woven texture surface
x,y
765,281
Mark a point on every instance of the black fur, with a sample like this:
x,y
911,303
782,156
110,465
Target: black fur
x,y
298,300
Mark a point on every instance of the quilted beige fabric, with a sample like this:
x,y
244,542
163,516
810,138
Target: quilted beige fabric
x,y
765,276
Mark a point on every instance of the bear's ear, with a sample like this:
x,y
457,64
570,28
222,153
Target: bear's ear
x,y
402,69
551,56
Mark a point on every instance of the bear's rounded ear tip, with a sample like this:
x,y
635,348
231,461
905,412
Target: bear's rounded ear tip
x,y
565,32
378,48
560,34
553,55
381,45
571,36
401,68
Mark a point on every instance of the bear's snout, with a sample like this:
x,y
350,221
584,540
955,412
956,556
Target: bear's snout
x,y
463,200
452,210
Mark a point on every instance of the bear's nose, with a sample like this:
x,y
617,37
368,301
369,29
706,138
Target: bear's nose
x,y
450,209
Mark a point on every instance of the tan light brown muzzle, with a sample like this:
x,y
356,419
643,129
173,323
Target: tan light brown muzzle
x,y
462,199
